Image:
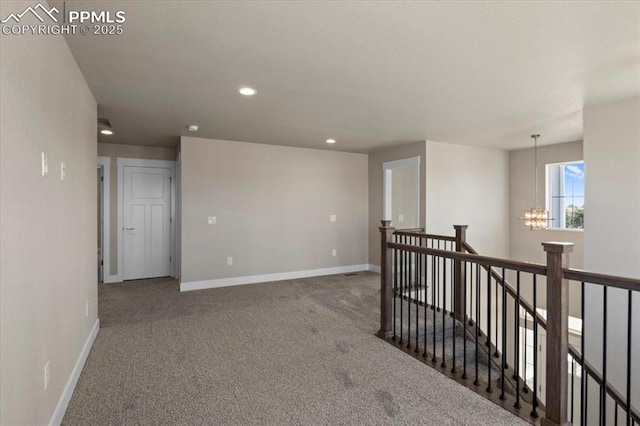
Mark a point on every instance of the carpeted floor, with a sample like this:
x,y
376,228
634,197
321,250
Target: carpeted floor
x,y
292,352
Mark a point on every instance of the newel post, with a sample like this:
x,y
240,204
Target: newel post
x,y
386,280
460,296
556,409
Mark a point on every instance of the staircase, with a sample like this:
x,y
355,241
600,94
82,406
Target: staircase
x,y
456,311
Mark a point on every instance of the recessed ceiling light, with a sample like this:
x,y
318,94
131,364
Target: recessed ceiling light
x,y
104,126
331,141
247,91
193,128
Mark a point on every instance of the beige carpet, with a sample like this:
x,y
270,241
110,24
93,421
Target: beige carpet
x,y
292,352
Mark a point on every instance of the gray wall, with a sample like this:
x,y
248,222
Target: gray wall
x,y
48,247
272,205
526,244
612,231
416,149
469,186
403,197
114,151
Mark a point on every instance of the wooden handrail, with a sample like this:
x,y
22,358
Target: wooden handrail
x,y
611,391
422,235
411,230
512,291
576,275
475,258
558,276
625,283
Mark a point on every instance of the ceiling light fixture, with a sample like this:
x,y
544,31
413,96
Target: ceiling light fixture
x,y
536,218
104,126
247,91
331,141
193,128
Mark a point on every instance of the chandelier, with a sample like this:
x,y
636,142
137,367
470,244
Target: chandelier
x,y
536,218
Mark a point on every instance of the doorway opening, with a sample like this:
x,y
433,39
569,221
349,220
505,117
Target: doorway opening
x,y
401,192
104,247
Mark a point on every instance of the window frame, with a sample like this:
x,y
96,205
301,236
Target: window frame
x,y
547,183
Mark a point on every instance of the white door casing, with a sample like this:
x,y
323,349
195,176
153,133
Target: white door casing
x,y
105,164
387,183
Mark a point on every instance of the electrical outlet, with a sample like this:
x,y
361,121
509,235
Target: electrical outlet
x,y
63,170
46,375
229,260
45,164
334,252
86,309
211,220
332,218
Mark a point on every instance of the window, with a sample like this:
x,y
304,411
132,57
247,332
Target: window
x,y
565,194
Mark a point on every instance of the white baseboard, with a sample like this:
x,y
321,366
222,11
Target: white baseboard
x,y
111,279
63,403
254,279
374,268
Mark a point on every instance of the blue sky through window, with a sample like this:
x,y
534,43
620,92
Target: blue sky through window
x,y
574,184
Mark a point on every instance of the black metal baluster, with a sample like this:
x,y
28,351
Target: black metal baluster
x,y
444,311
438,288
629,322
425,258
408,275
418,290
516,339
504,334
451,282
489,389
586,396
401,295
495,352
615,415
525,389
471,304
583,370
476,381
603,393
433,280
534,412
435,262
453,319
573,379
395,290
467,274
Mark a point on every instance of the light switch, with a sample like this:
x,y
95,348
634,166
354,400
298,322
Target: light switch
x,y
45,164
211,220
229,260
332,218
334,252
63,170
400,218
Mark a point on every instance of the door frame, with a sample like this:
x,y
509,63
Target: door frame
x,y
138,162
105,164
387,169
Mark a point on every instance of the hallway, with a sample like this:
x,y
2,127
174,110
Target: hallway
x,y
289,352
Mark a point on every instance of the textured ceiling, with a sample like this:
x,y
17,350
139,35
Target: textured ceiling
x,y
368,74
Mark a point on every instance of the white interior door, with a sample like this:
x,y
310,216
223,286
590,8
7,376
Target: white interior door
x,y
147,222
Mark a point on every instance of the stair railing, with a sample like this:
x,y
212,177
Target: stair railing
x,y
415,266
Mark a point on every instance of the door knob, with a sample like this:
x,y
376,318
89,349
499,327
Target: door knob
x,y
130,229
